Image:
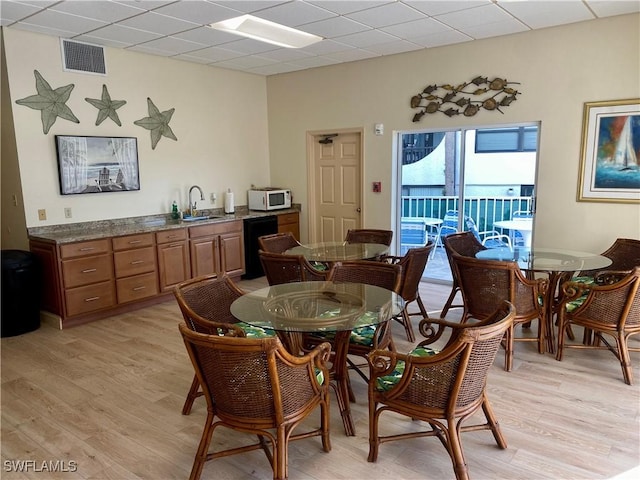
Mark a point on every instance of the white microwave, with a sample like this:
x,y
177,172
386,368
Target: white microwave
x,y
269,199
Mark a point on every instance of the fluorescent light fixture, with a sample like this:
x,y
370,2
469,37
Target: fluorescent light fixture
x,y
266,31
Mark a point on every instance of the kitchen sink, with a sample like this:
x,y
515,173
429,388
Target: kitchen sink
x,y
204,217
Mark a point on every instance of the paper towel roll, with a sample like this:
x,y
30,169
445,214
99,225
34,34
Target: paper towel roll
x,y
228,202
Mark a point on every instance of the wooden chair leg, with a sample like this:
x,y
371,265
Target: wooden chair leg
x,y
625,358
448,304
191,396
455,450
493,424
203,448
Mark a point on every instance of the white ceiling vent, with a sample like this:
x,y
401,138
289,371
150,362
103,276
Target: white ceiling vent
x,y
83,57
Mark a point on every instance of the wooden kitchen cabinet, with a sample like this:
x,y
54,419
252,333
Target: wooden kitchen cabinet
x,y
173,258
134,260
289,222
87,277
217,248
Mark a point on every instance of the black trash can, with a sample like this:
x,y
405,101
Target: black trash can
x,y
21,292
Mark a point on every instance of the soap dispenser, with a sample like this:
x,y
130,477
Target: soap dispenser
x,y
174,210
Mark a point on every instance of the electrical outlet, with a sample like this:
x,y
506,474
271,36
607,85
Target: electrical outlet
x,y
213,199
67,212
14,199
42,214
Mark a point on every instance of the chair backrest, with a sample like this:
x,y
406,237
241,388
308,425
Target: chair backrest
x,y
380,274
485,284
254,381
412,233
277,242
449,224
521,214
462,243
369,235
280,268
471,226
413,264
455,378
205,302
624,254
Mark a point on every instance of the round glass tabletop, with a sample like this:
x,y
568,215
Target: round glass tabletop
x,y
338,251
317,306
547,259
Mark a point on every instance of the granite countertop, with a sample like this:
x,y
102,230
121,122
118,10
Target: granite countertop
x,y
78,232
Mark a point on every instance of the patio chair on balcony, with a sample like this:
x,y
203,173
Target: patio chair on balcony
x,y
449,225
517,239
413,234
488,238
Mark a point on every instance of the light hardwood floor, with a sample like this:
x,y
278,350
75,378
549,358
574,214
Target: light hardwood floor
x,y
107,396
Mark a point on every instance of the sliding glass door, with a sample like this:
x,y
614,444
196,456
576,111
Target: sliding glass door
x,y
464,179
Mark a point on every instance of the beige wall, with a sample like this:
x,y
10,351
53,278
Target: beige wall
x,y
558,69
220,121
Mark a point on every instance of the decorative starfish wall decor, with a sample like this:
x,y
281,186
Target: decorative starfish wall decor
x,y
51,103
158,123
106,107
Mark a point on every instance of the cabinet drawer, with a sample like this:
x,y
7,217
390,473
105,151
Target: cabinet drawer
x,y
136,288
84,271
169,236
134,262
215,229
90,298
133,241
92,247
287,218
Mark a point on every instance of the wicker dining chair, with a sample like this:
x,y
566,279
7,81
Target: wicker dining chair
x,y
467,245
624,254
485,284
277,242
280,268
205,303
608,307
443,388
369,235
258,388
413,264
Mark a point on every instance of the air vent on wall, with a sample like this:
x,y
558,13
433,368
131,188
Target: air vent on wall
x,y
83,57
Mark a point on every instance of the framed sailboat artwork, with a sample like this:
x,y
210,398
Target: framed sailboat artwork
x,y
610,157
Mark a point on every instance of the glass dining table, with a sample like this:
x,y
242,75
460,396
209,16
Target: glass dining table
x,y
296,309
555,263
329,252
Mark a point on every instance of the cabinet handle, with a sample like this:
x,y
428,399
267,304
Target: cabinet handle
x,y
89,270
133,242
136,262
86,249
91,299
172,236
139,288
175,244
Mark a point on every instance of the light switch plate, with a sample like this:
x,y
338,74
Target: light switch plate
x,y
42,214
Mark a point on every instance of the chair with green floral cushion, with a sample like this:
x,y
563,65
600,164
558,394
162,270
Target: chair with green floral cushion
x,y
485,284
365,339
442,387
254,386
205,303
607,307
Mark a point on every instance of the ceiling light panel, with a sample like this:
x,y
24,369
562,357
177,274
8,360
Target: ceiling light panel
x,y
267,31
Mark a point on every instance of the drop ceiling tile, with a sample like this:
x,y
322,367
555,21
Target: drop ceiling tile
x,y
326,46
400,46
207,36
172,46
145,4
464,19
417,28
120,33
495,29
249,61
342,7
294,14
156,23
441,38
212,54
364,39
541,14
64,21
248,6
607,8
313,62
247,46
275,69
334,27
103,10
88,38
286,54
432,8
352,55
38,3
389,14
14,11
43,29
199,12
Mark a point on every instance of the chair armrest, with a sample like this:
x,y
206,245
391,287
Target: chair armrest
x,y
609,277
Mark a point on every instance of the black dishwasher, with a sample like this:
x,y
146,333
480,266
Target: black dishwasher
x,y
254,228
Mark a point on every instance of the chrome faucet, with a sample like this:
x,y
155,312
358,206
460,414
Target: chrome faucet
x,y
192,204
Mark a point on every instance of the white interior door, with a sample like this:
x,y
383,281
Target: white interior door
x,y
335,196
